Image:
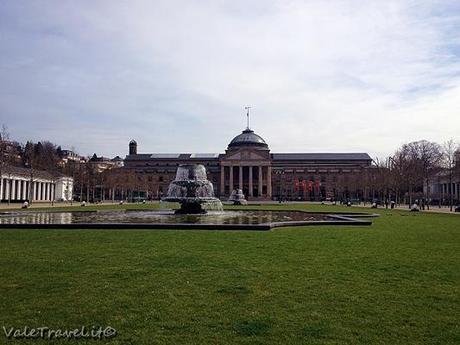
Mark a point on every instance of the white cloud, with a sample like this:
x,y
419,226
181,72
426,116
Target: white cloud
x,y
321,75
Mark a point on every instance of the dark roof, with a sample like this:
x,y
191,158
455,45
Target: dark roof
x,y
25,172
173,156
95,158
139,156
322,156
248,138
275,156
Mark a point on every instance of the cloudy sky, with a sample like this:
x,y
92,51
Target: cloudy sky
x,y
321,76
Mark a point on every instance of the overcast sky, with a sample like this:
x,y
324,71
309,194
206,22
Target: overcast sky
x,y
322,76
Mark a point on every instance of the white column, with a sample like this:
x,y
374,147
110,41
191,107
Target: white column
x,y
222,181
39,191
260,180
251,187
240,179
13,189
19,192
48,191
231,179
1,189
52,192
24,190
34,190
7,188
269,182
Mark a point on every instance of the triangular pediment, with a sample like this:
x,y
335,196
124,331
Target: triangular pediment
x,y
246,155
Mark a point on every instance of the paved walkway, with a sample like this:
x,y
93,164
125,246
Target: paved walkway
x,y
433,209
5,205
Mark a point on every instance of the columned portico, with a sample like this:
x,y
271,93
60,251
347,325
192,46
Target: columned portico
x,y
254,179
16,185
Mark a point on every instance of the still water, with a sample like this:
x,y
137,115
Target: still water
x,y
157,217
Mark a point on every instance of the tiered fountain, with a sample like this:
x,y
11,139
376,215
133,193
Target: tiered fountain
x,y
193,191
237,197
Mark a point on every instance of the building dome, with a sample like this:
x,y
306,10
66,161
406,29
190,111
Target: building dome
x,y
248,138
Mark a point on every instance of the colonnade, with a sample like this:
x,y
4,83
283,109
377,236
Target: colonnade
x,y
246,180
16,189
446,190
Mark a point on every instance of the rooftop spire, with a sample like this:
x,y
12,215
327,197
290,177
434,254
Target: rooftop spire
x,y
247,114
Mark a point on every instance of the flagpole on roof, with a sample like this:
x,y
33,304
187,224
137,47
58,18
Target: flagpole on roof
x,y
247,114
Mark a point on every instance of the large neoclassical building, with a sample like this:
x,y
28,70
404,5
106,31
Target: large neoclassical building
x,y
249,165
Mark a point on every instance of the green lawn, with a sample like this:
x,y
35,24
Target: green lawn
x,y
395,282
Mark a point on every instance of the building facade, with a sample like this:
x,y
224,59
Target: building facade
x,y
21,184
249,165
103,163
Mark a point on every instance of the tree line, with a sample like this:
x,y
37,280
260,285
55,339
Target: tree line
x,y
409,173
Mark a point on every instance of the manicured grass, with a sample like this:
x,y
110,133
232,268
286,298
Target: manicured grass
x,y
395,282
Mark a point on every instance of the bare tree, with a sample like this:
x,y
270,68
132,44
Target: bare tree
x,y
5,159
449,149
49,161
4,137
425,160
30,160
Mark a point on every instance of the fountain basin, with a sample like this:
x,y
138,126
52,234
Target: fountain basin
x,y
168,219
